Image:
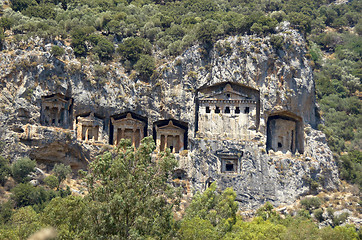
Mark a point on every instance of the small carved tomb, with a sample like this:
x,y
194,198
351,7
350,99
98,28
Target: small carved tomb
x,y
284,133
227,111
56,111
230,160
128,128
170,136
89,128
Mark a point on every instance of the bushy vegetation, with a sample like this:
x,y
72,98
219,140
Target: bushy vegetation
x,y
130,197
21,168
61,171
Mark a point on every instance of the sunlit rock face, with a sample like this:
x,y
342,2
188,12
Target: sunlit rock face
x,y
244,116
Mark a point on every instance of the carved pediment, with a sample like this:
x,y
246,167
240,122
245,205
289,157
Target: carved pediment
x,y
90,120
170,128
128,122
227,93
56,100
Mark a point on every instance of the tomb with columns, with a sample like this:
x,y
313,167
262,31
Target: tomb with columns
x,y
90,128
285,133
170,134
129,126
227,111
56,111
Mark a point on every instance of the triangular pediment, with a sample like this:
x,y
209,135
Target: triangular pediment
x,y
128,121
228,93
55,98
171,127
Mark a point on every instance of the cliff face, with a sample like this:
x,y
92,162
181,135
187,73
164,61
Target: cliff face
x,y
68,110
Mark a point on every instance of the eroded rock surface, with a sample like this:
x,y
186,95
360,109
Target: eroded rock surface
x,y
243,81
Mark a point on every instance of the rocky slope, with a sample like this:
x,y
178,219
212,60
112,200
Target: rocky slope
x,y
280,73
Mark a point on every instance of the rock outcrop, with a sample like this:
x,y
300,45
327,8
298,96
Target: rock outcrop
x,y
270,149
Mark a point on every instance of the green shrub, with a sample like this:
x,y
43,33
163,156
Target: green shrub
x,y
340,219
6,211
21,168
311,203
24,194
57,51
79,36
277,41
6,23
19,5
51,181
4,170
145,66
318,214
303,214
61,171
102,46
133,48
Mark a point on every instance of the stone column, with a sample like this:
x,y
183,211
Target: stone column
x,y
134,137
86,134
115,131
165,146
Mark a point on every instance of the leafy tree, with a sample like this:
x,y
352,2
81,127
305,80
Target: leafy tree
x,y
26,222
51,181
197,228
21,168
24,194
311,203
67,215
145,66
266,211
4,170
257,229
79,36
318,214
133,48
19,5
129,197
6,211
6,23
219,209
57,51
102,46
61,171
206,31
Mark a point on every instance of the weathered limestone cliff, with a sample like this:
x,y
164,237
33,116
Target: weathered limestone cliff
x,y
242,113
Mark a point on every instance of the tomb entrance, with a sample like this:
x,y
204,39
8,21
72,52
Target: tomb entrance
x,y
170,135
227,111
128,127
55,111
285,133
89,128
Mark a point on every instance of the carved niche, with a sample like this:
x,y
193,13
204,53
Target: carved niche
x,y
170,136
285,133
227,111
56,111
128,128
89,128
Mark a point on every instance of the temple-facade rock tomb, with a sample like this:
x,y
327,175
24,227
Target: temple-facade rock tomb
x,y
128,128
285,133
227,111
55,111
170,136
89,128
